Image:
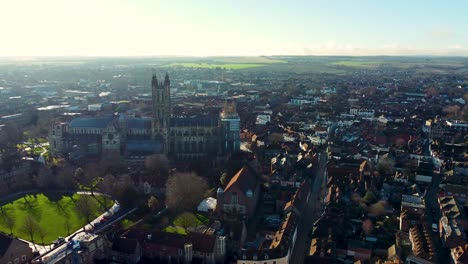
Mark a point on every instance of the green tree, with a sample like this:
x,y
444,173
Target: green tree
x,y
186,220
224,179
153,203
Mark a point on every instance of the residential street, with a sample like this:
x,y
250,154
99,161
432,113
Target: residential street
x,y
311,212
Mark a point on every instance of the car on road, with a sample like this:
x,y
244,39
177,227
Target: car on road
x,y
435,228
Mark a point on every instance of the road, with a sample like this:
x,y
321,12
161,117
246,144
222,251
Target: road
x,y
312,210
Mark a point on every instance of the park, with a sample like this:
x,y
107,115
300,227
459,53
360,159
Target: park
x,y
43,217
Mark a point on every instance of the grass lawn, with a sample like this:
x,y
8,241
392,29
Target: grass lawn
x,y
53,212
185,220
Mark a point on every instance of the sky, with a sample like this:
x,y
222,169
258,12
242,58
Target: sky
x,y
233,28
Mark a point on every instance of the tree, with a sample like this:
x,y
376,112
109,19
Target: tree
x,y
30,227
185,190
112,164
275,138
126,195
12,135
186,220
107,184
158,164
44,179
367,226
8,221
152,203
85,207
224,179
67,225
42,233
79,174
65,178
386,166
452,111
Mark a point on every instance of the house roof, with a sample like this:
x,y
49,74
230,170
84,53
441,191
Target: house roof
x,y
245,179
5,242
126,245
201,242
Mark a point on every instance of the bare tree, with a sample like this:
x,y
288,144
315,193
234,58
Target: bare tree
x,y
367,226
452,111
30,227
67,225
45,179
85,207
158,164
8,220
276,138
42,233
185,190
386,166
65,178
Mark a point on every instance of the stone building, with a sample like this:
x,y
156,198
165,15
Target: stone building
x,y
181,137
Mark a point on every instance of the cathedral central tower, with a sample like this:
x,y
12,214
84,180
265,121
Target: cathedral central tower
x,y
161,99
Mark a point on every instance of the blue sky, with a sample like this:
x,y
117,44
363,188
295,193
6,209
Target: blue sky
x,y
211,28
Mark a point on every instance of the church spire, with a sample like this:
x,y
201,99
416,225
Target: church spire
x,y
167,82
154,80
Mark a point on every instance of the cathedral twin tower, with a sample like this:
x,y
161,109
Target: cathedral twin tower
x,y
161,100
192,137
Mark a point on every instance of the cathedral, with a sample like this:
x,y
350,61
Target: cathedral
x,y
181,138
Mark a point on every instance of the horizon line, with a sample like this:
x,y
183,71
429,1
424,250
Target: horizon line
x,y
223,56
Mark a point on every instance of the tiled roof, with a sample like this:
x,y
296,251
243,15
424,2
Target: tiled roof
x,y
244,179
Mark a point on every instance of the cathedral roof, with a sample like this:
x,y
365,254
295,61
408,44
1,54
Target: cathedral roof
x,y
146,146
194,121
90,122
139,122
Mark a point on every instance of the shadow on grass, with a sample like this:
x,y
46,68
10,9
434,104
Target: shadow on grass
x,y
31,206
103,202
53,196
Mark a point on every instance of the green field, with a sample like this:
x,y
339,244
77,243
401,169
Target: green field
x,y
54,213
227,66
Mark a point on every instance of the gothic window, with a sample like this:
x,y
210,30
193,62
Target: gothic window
x,y
200,146
186,146
194,146
234,198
